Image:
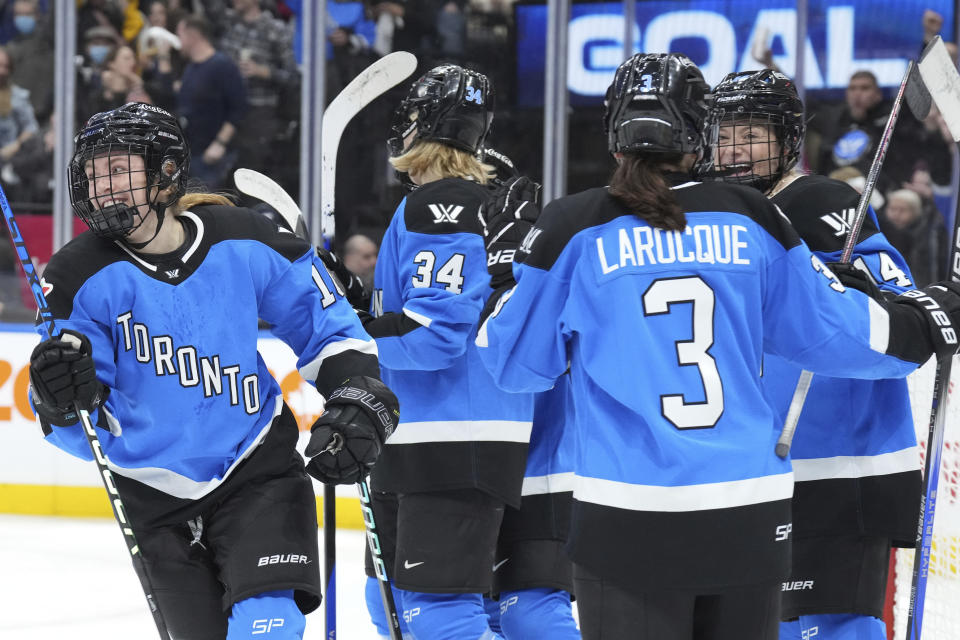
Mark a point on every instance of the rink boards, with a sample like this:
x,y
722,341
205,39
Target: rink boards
x,y
36,478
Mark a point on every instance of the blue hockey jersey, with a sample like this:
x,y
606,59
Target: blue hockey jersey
x,y
456,429
664,334
174,337
855,457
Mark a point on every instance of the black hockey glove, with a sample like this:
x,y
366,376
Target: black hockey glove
x,y
356,295
852,276
939,304
62,373
347,439
507,219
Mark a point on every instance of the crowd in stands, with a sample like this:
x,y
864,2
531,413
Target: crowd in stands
x,y
229,69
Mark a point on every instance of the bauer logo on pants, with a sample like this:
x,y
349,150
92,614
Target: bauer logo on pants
x,y
283,558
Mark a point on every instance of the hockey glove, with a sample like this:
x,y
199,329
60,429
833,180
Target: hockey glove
x,y
507,219
350,284
347,439
62,373
853,277
939,304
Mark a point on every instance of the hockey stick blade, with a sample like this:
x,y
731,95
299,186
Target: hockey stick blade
x,y
372,82
262,187
942,81
916,96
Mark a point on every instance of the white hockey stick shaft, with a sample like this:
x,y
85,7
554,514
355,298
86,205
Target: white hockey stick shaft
x,y
806,377
372,82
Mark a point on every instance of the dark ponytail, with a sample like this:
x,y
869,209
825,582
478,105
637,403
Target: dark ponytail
x,y
640,184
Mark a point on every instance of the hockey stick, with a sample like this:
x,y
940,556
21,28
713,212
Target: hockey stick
x,y
257,185
119,511
915,100
942,79
372,82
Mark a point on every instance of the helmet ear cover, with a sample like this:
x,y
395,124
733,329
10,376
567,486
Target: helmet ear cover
x,y
448,104
657,103
135,129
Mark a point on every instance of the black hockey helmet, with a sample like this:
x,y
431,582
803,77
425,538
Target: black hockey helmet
x,y
135,129
764,98
657,104
448,104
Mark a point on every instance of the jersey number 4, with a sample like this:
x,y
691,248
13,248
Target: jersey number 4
x,y
450,274
693,352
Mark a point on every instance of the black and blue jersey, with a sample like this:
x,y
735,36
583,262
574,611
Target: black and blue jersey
x,y
457,429
174,337
675,477
855,457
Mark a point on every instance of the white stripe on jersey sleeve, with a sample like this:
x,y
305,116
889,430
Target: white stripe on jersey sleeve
x,y
856,466
419,318
696,497
310,370
879,326
462,431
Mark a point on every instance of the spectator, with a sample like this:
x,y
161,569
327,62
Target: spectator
x,y
411,25
31,53
262,48
120,77
914,228
360,257
17,120
157,50
32,167
211,103
851,131
100,13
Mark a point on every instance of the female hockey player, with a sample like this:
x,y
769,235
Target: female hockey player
x,y
855,459
533,575
660,295
458,454
159,303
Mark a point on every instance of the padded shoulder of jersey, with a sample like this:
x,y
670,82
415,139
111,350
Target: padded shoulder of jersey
x,y
565,217
223,223
821,211
450,205
740,199
74,264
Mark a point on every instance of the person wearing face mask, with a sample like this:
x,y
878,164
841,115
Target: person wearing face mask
x,y
31,54
17,120
100,42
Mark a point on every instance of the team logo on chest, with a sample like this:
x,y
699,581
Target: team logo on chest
x,y
445,212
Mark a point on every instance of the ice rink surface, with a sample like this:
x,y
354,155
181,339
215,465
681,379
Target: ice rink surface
x,y
72,578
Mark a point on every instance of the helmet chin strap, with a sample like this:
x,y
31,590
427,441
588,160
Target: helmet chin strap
x,y
160,209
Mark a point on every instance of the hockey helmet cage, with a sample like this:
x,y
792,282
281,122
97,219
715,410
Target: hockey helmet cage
x,y
135,129
768,98
657,103
448,104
